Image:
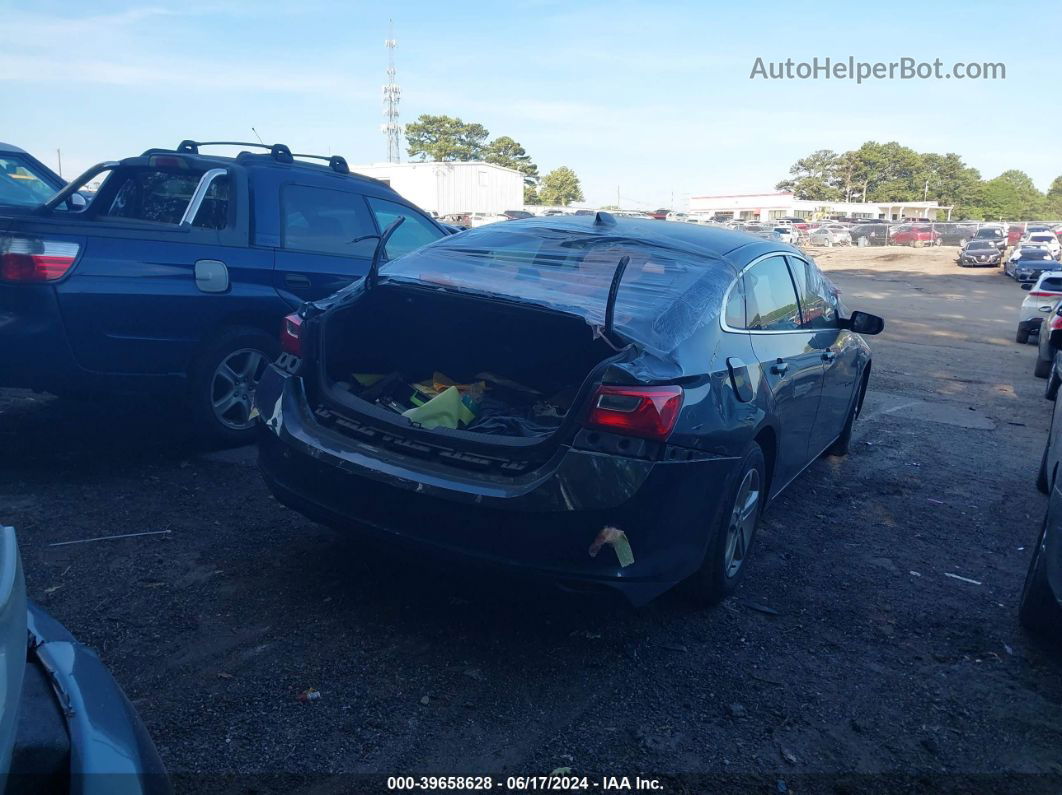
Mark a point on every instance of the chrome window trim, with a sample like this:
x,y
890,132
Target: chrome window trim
x,y
740,275
73,186
201,189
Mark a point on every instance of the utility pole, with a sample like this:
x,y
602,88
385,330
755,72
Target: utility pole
x,y
617,197
59,157
391,94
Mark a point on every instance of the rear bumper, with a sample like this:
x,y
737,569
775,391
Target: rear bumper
x,y
542,523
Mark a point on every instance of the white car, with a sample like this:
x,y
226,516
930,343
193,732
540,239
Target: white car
x,y
1048,239
788,234
1042,297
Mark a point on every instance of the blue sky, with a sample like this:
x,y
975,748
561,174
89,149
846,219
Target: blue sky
x,y
654,99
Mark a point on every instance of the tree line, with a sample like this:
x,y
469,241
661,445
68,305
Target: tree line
x,y
446,138
890,172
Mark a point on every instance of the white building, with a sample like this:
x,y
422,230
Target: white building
x,y
452,187
771,206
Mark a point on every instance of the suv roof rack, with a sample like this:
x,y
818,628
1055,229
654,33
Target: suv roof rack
x,y
279,152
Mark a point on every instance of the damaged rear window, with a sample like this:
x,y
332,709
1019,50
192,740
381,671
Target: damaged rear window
x,y
664,297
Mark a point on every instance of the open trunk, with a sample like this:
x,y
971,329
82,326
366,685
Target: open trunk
x,y
521,374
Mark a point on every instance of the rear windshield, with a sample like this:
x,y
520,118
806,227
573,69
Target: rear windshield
x,y
1042,238
989,233
664,296
1035,253
981,244
162,196
1053,283
22,183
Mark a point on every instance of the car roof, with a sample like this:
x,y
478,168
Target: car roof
x,y
705,241
12,148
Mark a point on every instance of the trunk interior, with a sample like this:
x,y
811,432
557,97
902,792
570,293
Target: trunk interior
x,y
455,362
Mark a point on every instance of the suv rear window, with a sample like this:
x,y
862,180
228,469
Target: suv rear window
x,y
162,196
326,221
1054,284
415,231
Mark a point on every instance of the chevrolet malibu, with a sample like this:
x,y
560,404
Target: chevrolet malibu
x,y
610,403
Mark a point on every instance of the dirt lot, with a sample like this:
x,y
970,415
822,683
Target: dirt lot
x,y
869,661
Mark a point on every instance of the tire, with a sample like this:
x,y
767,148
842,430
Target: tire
x,y
733,531
863,241
1042,368
828,243
843,443
246,352
1042,485
962,242
938,242
1038,610
1053,376
1022,337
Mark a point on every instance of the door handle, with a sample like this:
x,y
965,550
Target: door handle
x,y
829,356
296,280
780,367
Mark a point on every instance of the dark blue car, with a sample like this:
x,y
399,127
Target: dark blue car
x,y
25,182
607,402
176,275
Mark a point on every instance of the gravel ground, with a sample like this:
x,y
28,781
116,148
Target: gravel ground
x,y
847,652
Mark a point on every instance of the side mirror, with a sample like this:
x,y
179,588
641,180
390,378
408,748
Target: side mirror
x,y
864,323
1027,286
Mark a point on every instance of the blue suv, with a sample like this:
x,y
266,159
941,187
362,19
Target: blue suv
x,y
178,272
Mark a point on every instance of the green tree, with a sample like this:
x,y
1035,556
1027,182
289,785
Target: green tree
x,y
953,183
445,138
531,195
561,187
1012,196
504,151
814,177
1056,188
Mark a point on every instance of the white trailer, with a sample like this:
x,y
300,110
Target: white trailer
x,y
452,187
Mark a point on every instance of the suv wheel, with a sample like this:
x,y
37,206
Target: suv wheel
x,y
222,382
1042,368
731,532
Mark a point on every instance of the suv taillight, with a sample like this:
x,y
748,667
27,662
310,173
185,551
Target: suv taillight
x,y
291,335
649,412
32,259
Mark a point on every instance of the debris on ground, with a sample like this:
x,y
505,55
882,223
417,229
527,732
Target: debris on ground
x,y
310,694
617,539
959,577
737,710
770,611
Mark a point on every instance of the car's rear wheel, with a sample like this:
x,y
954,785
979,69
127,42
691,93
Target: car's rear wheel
x,y
223,380
1041,477
732,529
863,241
962,242
1022,337
1038,610
1042,368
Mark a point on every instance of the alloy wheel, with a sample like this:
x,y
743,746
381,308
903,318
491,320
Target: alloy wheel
x,y
742,523
232,387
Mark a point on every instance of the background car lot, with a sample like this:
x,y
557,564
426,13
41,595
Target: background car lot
x,y
870,657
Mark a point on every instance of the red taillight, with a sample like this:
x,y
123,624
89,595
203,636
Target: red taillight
x,y
1056,322
649,412
1042,294
291,335
30,259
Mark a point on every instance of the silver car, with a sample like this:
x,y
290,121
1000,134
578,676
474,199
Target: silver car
x,y
830,235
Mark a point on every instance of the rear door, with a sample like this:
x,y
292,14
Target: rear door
x,y
836,348
132,303
789,360
327,237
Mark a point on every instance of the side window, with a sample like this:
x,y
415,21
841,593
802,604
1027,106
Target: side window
x,y
147,194
325,221
415,231
770,299
213,213
818,305
735,306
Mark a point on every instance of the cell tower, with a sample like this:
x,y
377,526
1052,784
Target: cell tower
x,y
391,95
